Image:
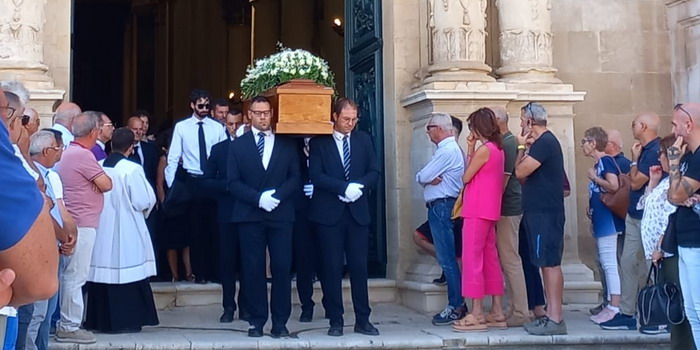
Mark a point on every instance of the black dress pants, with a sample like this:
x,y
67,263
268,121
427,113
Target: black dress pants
x,y
255,239
229,263
350,240
306,259
202,217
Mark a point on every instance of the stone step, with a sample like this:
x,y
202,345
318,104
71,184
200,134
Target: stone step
x,y
181,294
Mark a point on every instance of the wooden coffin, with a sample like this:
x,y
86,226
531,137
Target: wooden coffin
x,y
302,107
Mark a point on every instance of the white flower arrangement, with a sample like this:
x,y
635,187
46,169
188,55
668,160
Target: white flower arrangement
x,y
282,67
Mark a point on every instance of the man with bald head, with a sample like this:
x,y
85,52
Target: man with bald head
x,y
30,121
63,120
145,153
614,149
645,154
684,172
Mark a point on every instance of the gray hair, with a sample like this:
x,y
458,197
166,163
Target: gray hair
x,y
13,100
85,122
444,121
40,141
16,88
535,111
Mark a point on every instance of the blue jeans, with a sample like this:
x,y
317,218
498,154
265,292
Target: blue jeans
x,y
688,265
439,219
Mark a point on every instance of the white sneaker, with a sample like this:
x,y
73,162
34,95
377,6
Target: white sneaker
x,y
79,336
604,316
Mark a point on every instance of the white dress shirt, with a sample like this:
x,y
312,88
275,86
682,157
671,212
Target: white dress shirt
x,y
26,166
185,145
102,145
447,162
66,134
338,137
267,148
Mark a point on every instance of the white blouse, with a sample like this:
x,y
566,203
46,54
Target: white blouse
x,y
656,208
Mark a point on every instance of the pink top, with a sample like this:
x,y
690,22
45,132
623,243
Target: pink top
x,y
77,169
483,194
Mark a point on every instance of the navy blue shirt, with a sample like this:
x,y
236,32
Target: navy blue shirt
x,y
687,222
604,222
623,162
648,158
543,190
20,199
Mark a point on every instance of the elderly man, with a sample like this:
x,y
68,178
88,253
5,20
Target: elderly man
x,y
63,120
645,154
84,184
30,120
106,130
441,179
542,170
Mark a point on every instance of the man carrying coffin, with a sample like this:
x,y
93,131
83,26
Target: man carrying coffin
x,y
121,299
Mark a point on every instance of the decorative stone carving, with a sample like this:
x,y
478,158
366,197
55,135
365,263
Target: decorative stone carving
x,y
526,41
21,31
457,40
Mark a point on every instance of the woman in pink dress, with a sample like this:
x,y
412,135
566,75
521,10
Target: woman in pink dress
x,y
481,210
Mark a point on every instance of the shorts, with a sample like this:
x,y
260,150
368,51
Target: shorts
x,y
424,231
545,236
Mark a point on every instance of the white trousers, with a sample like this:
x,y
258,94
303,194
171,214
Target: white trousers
x,y
607,255
688,267
74,278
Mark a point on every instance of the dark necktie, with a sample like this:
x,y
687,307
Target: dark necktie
x,y
202,148
135,156
261,143
346,157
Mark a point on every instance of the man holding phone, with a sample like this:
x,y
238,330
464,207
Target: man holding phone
x,y
541,171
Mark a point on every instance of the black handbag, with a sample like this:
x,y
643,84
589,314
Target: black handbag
x,y
659,303
669,244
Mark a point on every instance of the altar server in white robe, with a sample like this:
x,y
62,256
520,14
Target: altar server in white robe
x,y
120,299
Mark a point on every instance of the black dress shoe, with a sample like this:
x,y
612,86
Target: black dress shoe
x,y
227,317
306,316
279,332
244,316
255,332
335,331
366,329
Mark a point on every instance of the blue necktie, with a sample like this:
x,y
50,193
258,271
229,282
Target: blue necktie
x,y
346,157
202,148
261,143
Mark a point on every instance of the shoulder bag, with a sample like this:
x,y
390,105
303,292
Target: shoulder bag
x,y
659,303
618,201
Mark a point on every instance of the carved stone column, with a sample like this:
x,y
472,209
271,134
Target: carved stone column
x,y
457,41
22,53
526,41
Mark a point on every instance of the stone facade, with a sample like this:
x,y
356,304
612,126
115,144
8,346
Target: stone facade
x,y
440,56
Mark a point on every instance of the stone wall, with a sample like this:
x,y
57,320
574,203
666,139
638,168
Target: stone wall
x,y
618,52
684,25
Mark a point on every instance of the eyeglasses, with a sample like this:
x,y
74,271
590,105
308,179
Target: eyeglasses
x,y
259,114
203,106
11,111
25,120
679,106
108,125
585,141
428,127
55,148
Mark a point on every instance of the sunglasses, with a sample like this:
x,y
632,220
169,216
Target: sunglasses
x,y
428,127
203,106
25,120
528,107
679,106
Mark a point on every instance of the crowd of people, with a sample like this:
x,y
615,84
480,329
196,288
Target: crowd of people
x,y
503,202
222,198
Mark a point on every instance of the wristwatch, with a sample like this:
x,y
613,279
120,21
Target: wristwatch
x,y
521,147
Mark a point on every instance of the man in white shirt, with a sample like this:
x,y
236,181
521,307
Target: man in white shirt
x,y
63,120
191,143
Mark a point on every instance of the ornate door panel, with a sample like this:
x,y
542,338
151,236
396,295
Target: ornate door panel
x,y
363,84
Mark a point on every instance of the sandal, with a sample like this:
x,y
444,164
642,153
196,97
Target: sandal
x,y
470,323
496,321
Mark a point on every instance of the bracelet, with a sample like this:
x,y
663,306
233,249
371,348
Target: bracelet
x,y
521,147
633,164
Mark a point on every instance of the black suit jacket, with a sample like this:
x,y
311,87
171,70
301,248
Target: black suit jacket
x,y
328,177
301,200
216,179
247,179
150,161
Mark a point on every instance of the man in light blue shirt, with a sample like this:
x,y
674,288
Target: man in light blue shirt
x,y
441,179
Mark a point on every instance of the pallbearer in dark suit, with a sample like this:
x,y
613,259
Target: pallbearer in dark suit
x,y
343,167
216,182
263,173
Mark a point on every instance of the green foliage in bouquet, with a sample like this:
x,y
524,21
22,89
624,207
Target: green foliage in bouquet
x,y
282,67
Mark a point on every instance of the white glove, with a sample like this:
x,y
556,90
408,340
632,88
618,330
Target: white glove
x,y
354,191
344,199
309,190
267,202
